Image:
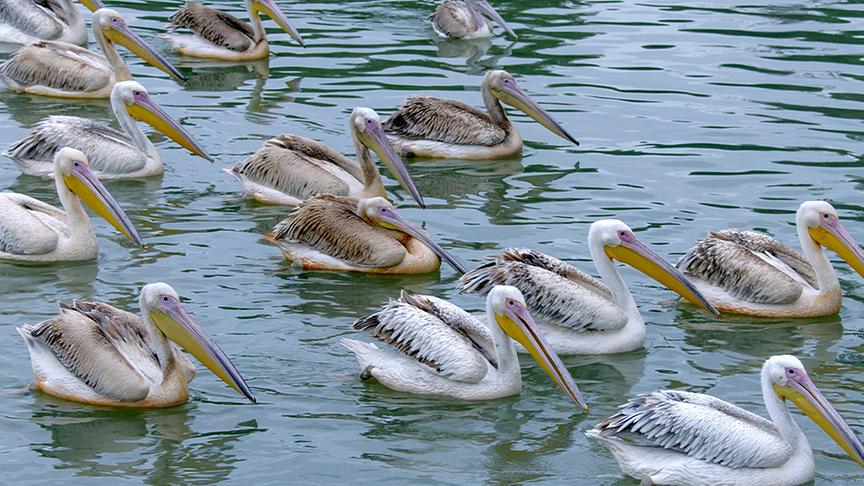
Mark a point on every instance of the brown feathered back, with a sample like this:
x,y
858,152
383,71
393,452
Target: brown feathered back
x,y
55,65
448,121
217,27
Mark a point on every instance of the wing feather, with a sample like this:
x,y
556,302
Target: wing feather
x,y
57,65
452,19
215,26
428,118
22,231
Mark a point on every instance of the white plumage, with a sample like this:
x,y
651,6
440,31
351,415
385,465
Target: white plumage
x,y
26,21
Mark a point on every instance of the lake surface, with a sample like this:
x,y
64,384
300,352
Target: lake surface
x,y
692,117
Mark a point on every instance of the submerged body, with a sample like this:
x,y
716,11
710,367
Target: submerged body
x,y
26,21
458,19
744,272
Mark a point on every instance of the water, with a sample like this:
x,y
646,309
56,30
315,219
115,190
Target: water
x,y
691,117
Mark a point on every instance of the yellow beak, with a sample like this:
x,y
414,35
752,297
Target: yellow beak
x,y
270,9
833,235
148,111
92,5
120,33
84,184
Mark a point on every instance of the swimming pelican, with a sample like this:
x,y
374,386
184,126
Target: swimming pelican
x,y
578,314
750,273
459,19
445,129
219,35
26,21
683,438
112,154
439,349
289,168
98,354
33,231
357,235
64,70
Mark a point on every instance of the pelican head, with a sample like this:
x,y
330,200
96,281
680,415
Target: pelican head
x,y
486,8
109,24
789,380
503,86
380,212
823,225
366,128
507,304
72,171
161,305
141,106
92,5
620,243
270,9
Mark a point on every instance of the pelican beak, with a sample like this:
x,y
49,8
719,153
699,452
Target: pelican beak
x,y
519,325
92,5
173,320
120,33
831,234
270,9
487,9
514,96
375,139
639,256
143,108
84,184
804,394
393,220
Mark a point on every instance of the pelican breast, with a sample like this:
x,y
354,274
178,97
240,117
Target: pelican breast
x,y
428,118
215,26
58,65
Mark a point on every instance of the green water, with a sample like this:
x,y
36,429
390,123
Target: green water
x,y
692,116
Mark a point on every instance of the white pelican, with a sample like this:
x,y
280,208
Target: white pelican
x,y
439,349
290,168
33,231
357,235
445,129
750,273
578,314
26,21
683,438
64,70
111,154
220,35
98,354
459,19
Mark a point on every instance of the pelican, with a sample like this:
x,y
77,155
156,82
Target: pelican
x,y
750,273
357,235
683,438
464,19
578,314
26,21
289,168
64,70
112,154
445,129
219,35
439,349
33,231
97,354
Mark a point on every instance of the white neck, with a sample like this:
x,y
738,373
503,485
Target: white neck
x,y
139,139
76,215
257,24
475,14
155,340
505,352
121,71
610,276
372,184
779,413
826,277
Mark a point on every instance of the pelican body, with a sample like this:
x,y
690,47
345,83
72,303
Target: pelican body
x,y
63,70
690,439
744,272
221,36
578,314
289,169
445,129
436,348
357,235
33,231
26,21
112,154
97,354
459,19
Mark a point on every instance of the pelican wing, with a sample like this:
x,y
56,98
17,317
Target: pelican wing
x,y
428,339
428,118
57,65
40,19
453,19
107,150
556,293
699,426
330,225
750,266
29,226
85,338
215,26
299,167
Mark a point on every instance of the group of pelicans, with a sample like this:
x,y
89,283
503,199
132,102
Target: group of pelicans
x,y
535,303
